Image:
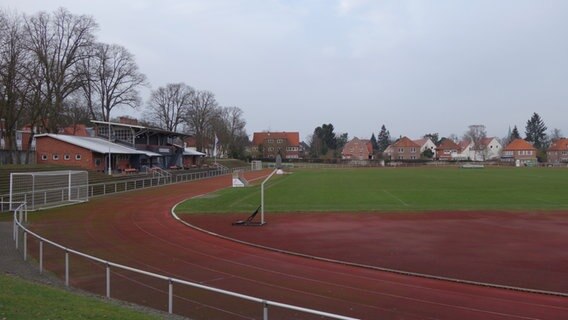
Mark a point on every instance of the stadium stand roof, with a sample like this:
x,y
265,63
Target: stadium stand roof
x,y
97,144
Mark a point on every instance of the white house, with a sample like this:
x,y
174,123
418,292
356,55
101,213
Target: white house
x,y
426,143
489,149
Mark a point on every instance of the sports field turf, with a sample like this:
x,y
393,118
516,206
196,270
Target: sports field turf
x,y
396,189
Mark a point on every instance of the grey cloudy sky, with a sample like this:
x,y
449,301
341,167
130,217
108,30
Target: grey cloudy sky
x,y
415,66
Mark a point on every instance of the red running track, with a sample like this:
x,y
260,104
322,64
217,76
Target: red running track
x,y
136,229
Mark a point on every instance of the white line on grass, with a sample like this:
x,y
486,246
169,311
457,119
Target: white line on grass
x,y
396,198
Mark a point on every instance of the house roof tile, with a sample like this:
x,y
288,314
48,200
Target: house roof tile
x,y
292,137
405,142
519,144
559,145
448,144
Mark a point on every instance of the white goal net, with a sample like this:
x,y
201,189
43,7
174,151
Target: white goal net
x,y
256,165
47,189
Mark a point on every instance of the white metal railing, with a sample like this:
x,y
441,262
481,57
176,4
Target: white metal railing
x,y
105,188
20,216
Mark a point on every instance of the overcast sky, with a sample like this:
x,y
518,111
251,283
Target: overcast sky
x,y
292,65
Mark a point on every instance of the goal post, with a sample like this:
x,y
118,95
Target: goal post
x,y
46,189
239,179
262,221
256,165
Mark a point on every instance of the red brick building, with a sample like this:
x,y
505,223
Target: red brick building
x,y
405,149
520,152
357,149
558,151
447,150
88,153
269,144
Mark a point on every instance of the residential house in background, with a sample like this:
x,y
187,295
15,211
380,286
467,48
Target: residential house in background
x,y
357,149
489,149
520,152
558,151
426,143
447,150
268,145
404,149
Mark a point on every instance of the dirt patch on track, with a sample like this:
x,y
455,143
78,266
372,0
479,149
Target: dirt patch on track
x,y
525,250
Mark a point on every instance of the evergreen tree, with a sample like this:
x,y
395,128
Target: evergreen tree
x,y
383,139
514,134
536,131
374,142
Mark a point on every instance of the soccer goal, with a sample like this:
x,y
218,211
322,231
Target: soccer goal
x,y
40,190
239,179
256,165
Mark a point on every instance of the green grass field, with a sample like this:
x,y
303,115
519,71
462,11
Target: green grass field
x,y
20,299
399,189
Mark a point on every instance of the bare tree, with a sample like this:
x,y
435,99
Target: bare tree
x,y
168,105
229,126
110,78
476,133
13,84
555,134
200,116
59,42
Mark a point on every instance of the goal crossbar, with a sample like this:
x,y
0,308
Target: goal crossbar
x,y
46,189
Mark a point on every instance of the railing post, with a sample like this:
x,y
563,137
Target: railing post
x,y
108,280
40,256
264,310
17,236
25,246
66,268
170,296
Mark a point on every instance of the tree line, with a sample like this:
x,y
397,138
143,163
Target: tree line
x,y
55,73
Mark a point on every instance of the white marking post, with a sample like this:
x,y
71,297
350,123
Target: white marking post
x,y
262,196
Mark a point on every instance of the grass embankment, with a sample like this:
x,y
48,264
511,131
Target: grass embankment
x,y
400,189
20,299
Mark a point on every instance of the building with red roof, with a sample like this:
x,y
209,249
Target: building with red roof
x,y
520,152
405,149
558,151
357,149
447,150
268,145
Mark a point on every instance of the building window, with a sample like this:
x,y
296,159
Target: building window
x,y
270,141
412,150
270,149
78,156
279,141
44,157
55,156
400,150
412,157
97,162
400,157
66,157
